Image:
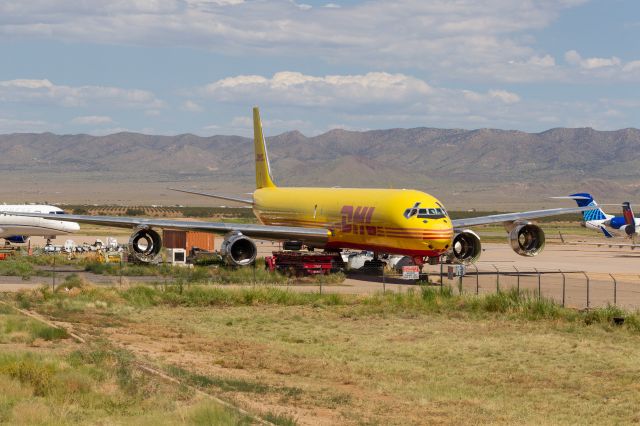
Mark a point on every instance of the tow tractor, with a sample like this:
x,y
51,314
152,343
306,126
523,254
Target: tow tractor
x,y
304,263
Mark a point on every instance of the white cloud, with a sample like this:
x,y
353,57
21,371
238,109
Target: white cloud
x,y
92,120
13,125
574,58
191,106
631,66
610,69
46,92
542,61
450,37
295,88
504,96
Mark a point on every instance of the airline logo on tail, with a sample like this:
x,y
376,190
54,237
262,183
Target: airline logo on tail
x,y
596,218
584,199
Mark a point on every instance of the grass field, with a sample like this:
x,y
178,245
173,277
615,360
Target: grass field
x,y
420,358
48,379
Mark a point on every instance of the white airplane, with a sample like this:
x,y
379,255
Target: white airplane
x,y
18,229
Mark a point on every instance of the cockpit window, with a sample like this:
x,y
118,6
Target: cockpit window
x,y
425,213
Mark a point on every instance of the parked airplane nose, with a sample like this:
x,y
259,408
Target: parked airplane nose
x,y
71,226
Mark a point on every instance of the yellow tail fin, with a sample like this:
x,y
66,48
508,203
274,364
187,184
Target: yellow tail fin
x,y
263,170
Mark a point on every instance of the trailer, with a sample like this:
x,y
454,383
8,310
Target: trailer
x,y
304,263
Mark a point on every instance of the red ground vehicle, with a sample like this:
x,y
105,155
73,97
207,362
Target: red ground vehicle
x,y
304,263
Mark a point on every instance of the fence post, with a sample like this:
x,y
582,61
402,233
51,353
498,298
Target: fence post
x,y
477,279
441,282
384,284
518,282
254,273
460,284
615,289
497,278
539,286
54,272
563,287
587,277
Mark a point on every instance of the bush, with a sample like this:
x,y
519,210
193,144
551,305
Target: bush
x,y
29,370
134,212
72,281
16,267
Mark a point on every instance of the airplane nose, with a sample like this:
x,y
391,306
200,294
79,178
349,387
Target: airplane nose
x,y
72,226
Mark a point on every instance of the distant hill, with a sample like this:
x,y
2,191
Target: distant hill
x,y
485,161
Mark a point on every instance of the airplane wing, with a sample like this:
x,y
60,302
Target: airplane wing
x,y
209,194
250,230
512,217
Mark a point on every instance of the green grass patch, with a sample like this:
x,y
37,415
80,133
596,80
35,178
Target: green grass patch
x,y
226,385
95,384
16,267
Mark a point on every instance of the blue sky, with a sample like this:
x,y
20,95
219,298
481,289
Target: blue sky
x,y
198,66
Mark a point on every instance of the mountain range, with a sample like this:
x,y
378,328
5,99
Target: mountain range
x,y
498,166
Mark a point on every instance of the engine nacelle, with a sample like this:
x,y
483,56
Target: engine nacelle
x,y
527,239
629,230
17,239
238,250
466,247
145,245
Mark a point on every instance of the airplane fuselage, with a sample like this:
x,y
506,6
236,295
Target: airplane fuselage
x,y
394,221
15,227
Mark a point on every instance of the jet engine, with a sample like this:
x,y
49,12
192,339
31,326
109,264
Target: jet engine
x,y
526,239
466,247
145,245
629,230
238,250
17,239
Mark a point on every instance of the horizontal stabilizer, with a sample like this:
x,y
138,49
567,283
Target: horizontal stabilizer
x,y
605,232
208,194
572,197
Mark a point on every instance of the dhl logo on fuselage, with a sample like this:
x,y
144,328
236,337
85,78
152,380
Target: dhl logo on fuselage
x,y
356,220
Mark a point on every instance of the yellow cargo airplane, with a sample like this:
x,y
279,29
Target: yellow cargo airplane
x,y
385,221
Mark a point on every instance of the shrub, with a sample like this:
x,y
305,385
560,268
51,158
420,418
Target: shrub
x,y
16,267
29,370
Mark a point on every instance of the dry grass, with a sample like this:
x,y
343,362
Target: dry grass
x,y
396,359
56,381
392,369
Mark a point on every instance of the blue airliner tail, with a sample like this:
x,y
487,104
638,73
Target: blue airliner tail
x,y
584,199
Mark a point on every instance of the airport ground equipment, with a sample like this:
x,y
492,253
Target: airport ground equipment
x,y
7,252
177,256
304,263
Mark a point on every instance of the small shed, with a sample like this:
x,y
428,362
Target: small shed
x,y
188,239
